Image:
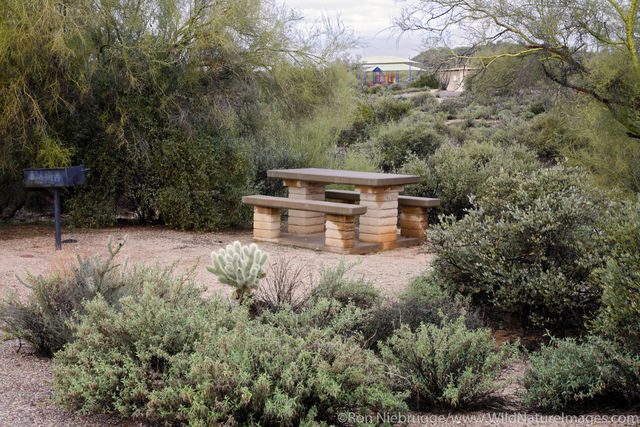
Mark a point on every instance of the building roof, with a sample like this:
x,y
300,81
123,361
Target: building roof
x,y
390,67
377,60
389,63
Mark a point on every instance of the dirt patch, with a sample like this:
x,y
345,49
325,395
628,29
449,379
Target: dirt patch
x,y
30,248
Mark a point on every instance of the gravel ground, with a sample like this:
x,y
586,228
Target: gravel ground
x,y
31,248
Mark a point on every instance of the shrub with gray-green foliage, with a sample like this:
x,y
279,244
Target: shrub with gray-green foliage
x,y
619,315
334,284
174,358
426,301
424,102
43,320
397,140
528,247
386,109
448,365
567,373
168,356
452,106
454,172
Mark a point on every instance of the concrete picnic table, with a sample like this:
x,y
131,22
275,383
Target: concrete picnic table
x,y
378,192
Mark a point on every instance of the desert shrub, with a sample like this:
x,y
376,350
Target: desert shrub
x,y
452,106
286,284
424,101
201,192
619,279
528,246
567,373
427,80
550,134
426,301
386,109
328,314
161,119
447,365
454,173
334,284
398,140
538,107
476,111
44,319
177,359
513,132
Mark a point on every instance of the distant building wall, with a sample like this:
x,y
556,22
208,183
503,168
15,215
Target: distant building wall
x,y
454,78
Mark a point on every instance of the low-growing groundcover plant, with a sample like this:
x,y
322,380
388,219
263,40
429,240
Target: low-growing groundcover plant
x,y
568,373
447,365
172,357
528,247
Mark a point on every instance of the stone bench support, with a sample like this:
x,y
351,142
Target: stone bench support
x,y
413,221
379,224
340,222
266,222
341,231
305,222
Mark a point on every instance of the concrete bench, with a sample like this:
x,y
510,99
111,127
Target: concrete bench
x,y
414,211
340,218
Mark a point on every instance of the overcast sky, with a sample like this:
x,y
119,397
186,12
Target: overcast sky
x,y
371,21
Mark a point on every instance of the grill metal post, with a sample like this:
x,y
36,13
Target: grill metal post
x,y
56,211
55,178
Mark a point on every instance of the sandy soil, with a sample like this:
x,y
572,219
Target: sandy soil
x,y
31,248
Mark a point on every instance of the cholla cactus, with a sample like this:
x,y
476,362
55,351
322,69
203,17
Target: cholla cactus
x,y
239,266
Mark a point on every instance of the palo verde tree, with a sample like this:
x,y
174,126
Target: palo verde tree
x,y
590,46
157,97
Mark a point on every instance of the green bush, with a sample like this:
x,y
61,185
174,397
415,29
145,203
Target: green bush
x,y
619,315
454,173
426,301
427,80
201,183
386,109
162,119
550,134
398,140
425,102
44,319
452,106
359,291
567,373
447,365
528,247
173,358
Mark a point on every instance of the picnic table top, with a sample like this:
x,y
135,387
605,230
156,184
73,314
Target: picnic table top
x,y
336,176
